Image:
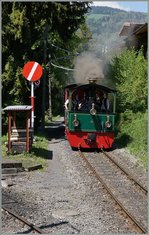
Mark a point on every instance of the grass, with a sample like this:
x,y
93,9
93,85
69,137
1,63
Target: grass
x,y
47,121
38,154
133,135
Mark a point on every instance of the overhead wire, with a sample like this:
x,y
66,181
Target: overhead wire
x,y
64,49
61,67
64,57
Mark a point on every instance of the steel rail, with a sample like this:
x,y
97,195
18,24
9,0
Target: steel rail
x,y
38,230
127,173
137,223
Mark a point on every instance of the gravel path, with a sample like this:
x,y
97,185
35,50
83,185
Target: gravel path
x,y
65,199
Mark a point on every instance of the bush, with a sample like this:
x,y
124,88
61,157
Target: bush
x,y
129,70
133,134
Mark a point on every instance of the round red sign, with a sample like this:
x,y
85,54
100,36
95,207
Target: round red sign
x,y
32,71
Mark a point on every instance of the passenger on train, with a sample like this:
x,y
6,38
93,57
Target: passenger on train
x,y
86,104
98,102
83,104
90,102
105,104
75,103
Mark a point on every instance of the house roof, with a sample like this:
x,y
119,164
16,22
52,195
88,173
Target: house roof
x,y
129,28
18,108
142,29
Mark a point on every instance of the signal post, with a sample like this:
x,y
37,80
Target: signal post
x,y
32,71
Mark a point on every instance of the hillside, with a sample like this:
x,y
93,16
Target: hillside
x,y
105,24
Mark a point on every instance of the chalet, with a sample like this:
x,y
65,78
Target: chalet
x,y
135,36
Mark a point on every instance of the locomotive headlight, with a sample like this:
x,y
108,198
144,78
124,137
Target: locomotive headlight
x,y
75,121
108,123
93,110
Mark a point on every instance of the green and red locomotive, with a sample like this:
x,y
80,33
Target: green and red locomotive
x,y
90,115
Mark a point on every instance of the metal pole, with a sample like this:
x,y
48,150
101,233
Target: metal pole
x,y
27,133
9,131
32,104
44,77
50,102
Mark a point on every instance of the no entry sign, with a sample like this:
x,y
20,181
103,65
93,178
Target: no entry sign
x,y
32,71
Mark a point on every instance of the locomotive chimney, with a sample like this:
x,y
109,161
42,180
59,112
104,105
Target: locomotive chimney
x,y
92,80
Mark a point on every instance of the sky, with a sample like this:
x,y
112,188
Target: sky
x,y
141,6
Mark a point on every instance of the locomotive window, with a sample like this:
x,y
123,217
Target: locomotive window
x,y
82,100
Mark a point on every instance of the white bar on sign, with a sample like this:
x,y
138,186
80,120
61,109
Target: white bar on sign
x,y
32,119
32,89
32,71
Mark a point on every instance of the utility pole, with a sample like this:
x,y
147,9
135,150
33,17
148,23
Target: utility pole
x,y
50,103
50,75
50,95
44,77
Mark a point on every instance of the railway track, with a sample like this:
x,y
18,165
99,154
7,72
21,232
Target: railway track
x,y
23,220
8,202
107,175
129,175
33,227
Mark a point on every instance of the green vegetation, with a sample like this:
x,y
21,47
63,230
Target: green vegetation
x,y
54,118
129,71
106,10
95,16
35,31
133,134
38,155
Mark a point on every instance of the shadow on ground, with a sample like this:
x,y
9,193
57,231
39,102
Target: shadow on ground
x,y
122,141
56,130
51,226
47,154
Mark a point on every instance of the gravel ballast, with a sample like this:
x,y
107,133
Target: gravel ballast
x,y
65,199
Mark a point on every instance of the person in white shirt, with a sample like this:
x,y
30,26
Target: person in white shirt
x,y
66,104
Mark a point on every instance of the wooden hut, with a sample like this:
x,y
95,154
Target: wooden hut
x,y
20,138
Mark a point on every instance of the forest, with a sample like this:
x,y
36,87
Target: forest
x,y
42,32
54,33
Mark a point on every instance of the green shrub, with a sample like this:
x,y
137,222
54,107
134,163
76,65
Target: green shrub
x,y
129,71
133,134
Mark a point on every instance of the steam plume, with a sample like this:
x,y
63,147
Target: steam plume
x,y
88,66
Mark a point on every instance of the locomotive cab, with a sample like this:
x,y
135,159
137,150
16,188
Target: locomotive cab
x,y
90,115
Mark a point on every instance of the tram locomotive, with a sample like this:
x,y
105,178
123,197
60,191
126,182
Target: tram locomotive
x,y
87,125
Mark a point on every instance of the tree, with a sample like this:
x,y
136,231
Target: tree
x,y
23,38
129,71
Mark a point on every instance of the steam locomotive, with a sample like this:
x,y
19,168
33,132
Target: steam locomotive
x,y
89,115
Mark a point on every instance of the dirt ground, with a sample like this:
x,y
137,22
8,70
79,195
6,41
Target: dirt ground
x,y
64,199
